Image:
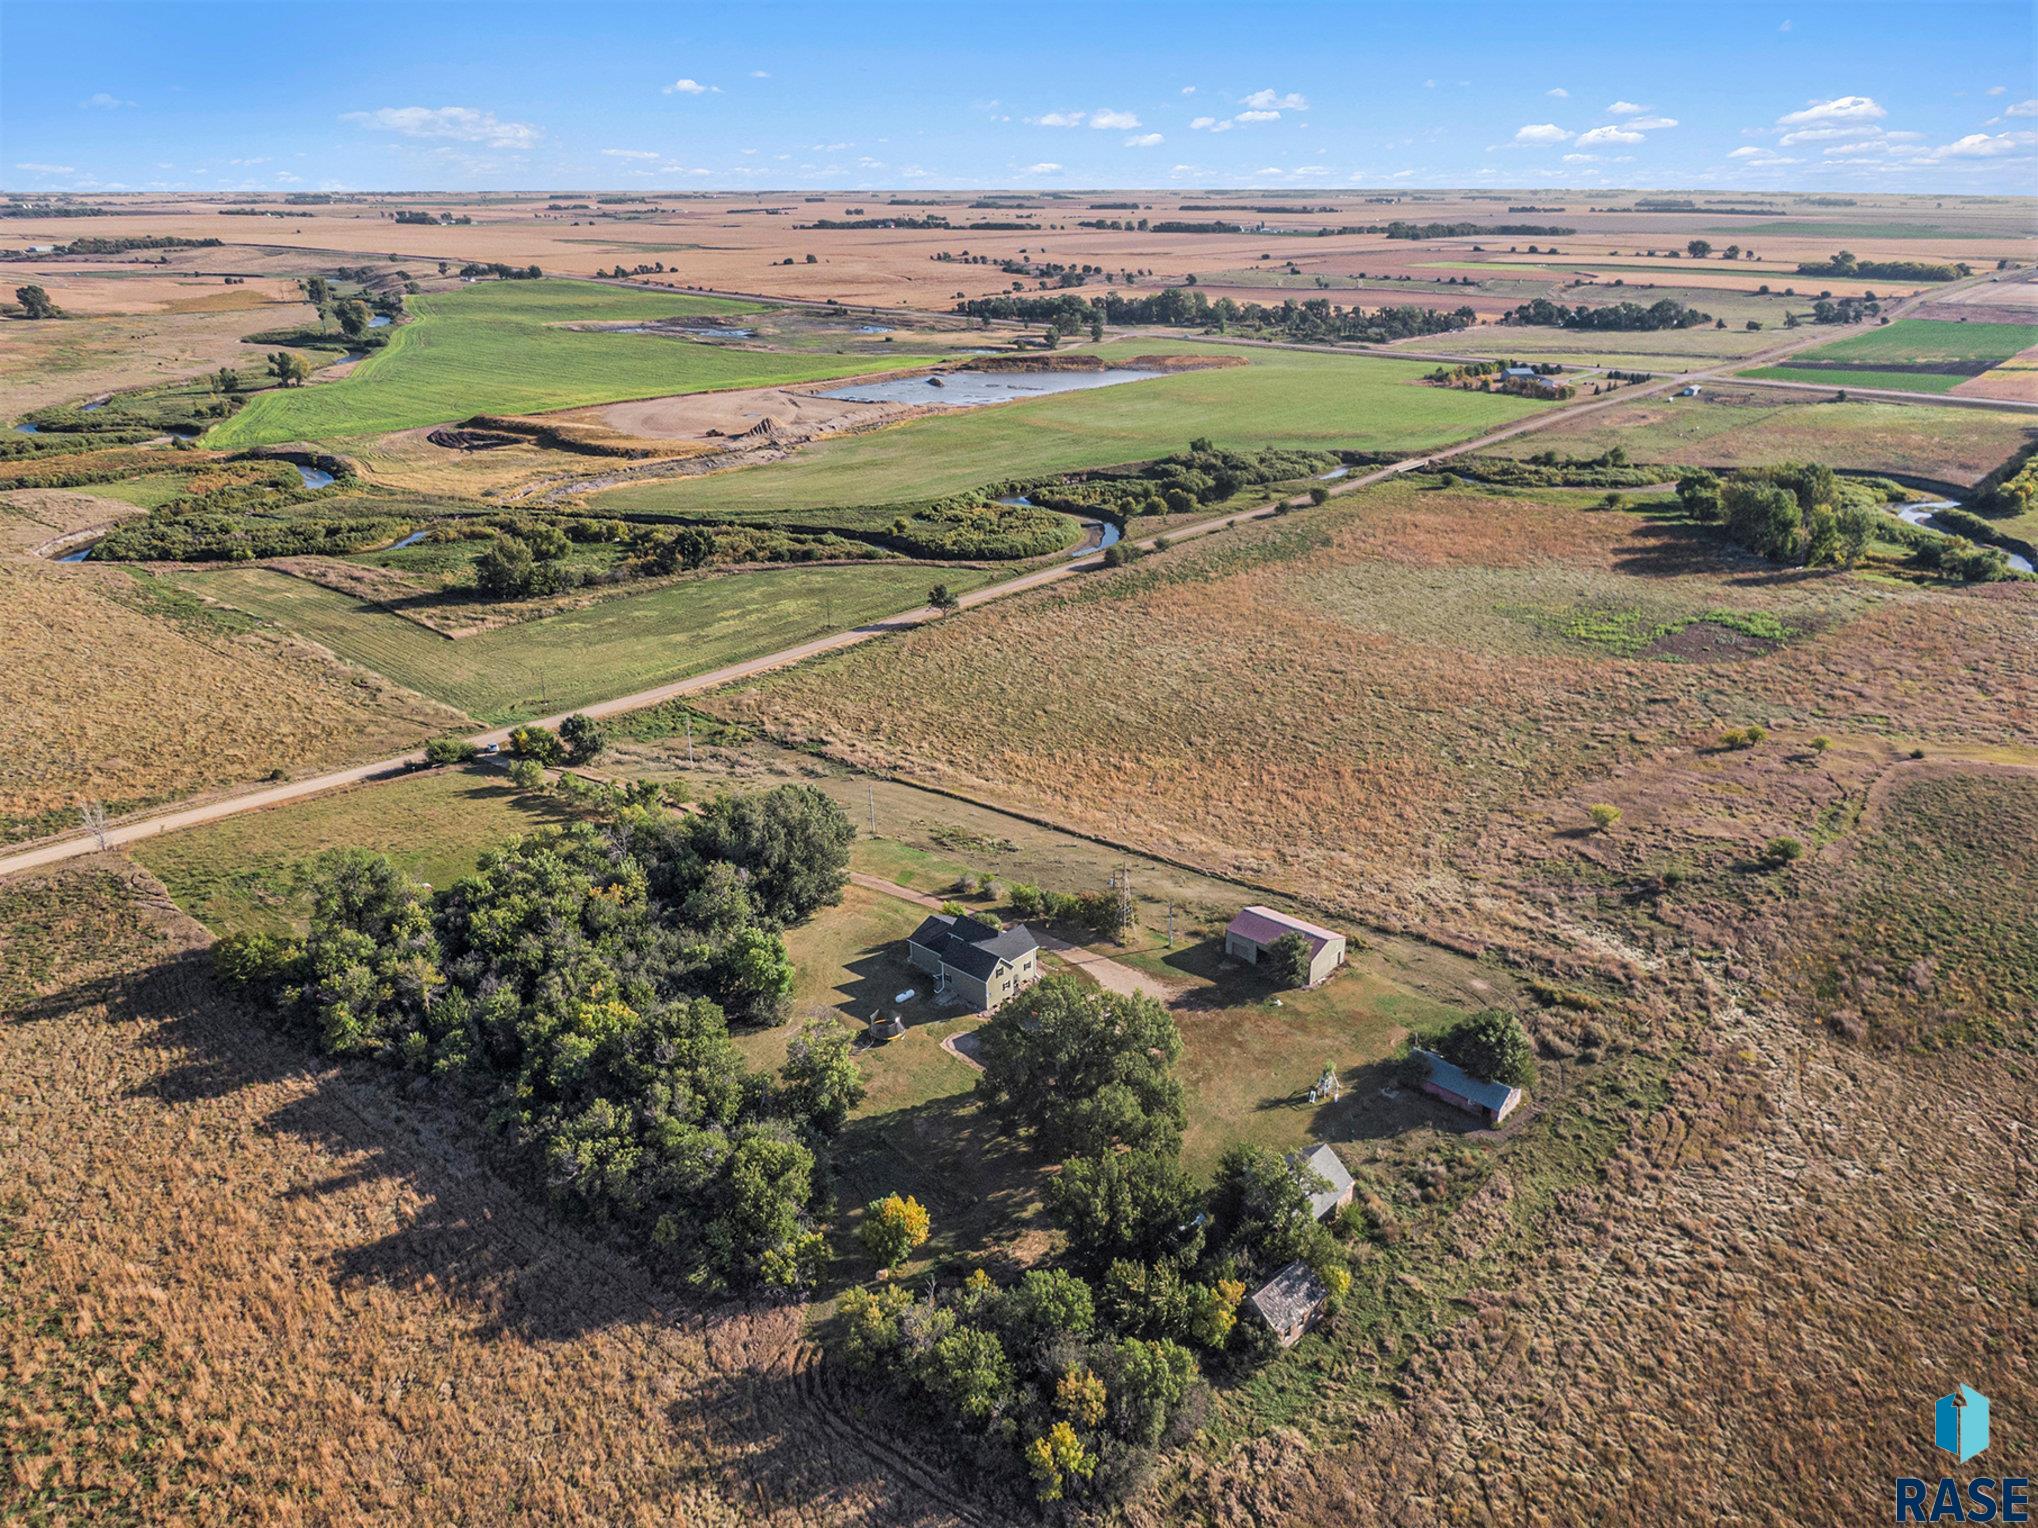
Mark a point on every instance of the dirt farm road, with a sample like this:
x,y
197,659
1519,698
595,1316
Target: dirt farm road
x,y
54,851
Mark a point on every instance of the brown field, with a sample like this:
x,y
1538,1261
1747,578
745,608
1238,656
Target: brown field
x,y
122,694
1435,687
342,1315
705,241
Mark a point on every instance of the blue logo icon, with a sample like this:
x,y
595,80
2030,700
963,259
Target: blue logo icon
x,y
1960,1423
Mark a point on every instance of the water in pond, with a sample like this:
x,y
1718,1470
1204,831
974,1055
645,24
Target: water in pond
x,y
411,540
78,553
1335,472
691,331
971,389
1108,531
313,476
26,429
1921,514
92,408
379,321
872,329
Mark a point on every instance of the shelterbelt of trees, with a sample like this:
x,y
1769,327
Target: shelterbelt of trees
x,y
1663,314
1184,307
574,995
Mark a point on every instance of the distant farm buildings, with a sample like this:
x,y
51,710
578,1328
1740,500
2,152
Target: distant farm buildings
x,y
1338,1192
1491,1101
1248,936
978,964
1289,1301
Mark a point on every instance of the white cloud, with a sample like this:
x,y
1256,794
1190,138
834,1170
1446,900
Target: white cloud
x,y
1104,116
1257,116
1981,146
1266,100
1045,167
46,169
1559,92
1188,90
1058,119
692,87
460,124
1825,134
1624,109
1200,123
1541,132
1651,124
1758,158
1581,159
1144,141
630,154
99,100
1785,27
1121,121
1995,90
2023,108
1608,135
1210,125
760,74
1839,109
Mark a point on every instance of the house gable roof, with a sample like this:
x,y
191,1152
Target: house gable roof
x,y
1325,1164
971,947
1290,1297
1263,925
1496,1096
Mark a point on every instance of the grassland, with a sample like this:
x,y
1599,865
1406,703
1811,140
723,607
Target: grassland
x,y
1744,427
246,874
595,652
123,689
501,347
1918,354
1280,398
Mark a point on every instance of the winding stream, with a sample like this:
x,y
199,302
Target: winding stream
x,y
1921,513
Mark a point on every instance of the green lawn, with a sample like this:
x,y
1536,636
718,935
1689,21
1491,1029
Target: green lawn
x,y
1280,398
613,647
497,347
241,874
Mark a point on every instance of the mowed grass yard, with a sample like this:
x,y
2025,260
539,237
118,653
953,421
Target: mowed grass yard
x,y
1898,355
245,874
596,652
1279,398
499,347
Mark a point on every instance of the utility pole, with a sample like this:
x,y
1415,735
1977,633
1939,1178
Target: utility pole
x,y
1171,923
689,740
871,787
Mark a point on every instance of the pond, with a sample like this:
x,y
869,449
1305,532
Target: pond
x,y
379,321
26,429
314,477
972,389
1108,531
411,540
78,553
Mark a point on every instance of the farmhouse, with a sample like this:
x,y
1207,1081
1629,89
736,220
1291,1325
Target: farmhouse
x,y
1289,1301
1491,1101
1324,1163
1248,936
978,963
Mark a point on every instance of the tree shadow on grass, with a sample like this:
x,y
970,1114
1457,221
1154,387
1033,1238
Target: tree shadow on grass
x,y
1676,549
1374,1104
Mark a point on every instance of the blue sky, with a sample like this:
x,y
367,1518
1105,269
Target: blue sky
x,y
1866,95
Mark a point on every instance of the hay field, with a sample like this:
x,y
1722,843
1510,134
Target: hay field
x,y
1919,354
345,1317
1744,427
1280,398
1337,703
594,652
499,347
124,691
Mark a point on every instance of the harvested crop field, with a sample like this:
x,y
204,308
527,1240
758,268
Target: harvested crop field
x,y
1339,702
1919,354
345,1314
1726,426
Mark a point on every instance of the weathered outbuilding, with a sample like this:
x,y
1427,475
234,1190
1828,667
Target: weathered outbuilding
x,y
1491,1101
1289,1301
1248,936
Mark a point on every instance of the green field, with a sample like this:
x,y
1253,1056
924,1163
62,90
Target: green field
x,y
1898,355
496,348
1280,398
612,647
242,874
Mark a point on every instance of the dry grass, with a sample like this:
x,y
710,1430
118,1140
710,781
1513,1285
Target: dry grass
x,y
120,691
242,1286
